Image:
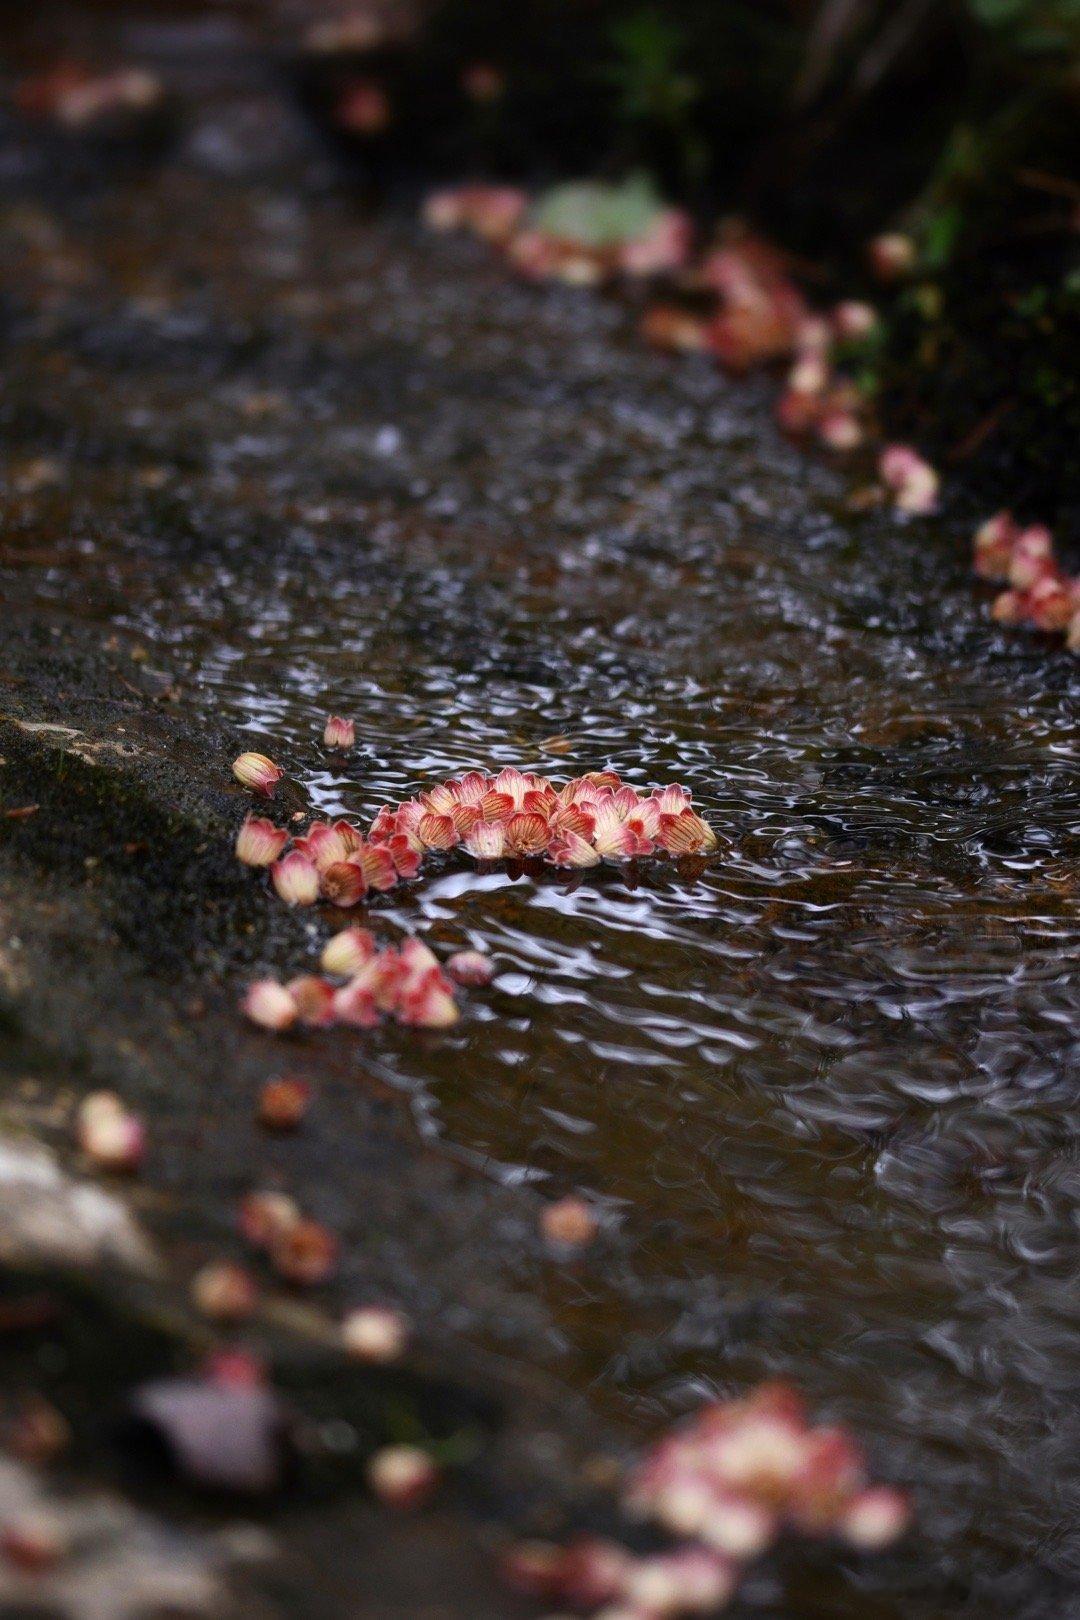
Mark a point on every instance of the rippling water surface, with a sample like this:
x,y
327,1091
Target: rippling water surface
x,y
825,1089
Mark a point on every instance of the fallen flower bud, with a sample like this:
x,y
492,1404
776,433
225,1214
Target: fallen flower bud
x,y
265,1217
839,430
853,320
875,1518
347,952
403,1477
283,1104
296,879
224,1292
259,842
110,1136
912,480
314,999
892,255
1008,608
374,1333
339,733
570,1223
995,541
305,1253
1032,557
1051,603
270,1005
257,772
344,884
690,1580
470,968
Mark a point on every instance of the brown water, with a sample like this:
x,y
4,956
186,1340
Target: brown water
x,y
825,1091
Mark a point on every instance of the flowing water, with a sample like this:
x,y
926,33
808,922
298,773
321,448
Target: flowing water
x,y
823,1089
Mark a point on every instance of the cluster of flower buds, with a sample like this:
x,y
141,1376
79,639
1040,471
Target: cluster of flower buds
x,y
332,861
520,814
300,1250
491,212
402,982
725,1485
76,98
499,214
740,1472
1039,592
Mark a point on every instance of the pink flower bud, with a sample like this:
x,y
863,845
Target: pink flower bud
x,y
110,1136
296,879
853,320
257,772
569,1223
403,1477
1051,603
347,952
314,999
875,1518
374,1333
304,1253
259,842
1032,557
470,968
224,1292
339,733
270,1005
892,256
840,431
1008,608
738,1527
809,374
690,1580
283,1103
264,1218
995,541
913,481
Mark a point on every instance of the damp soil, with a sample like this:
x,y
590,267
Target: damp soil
x,y
268,454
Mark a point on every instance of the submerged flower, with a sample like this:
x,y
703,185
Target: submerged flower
x,y
259,842
339,733
257,772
